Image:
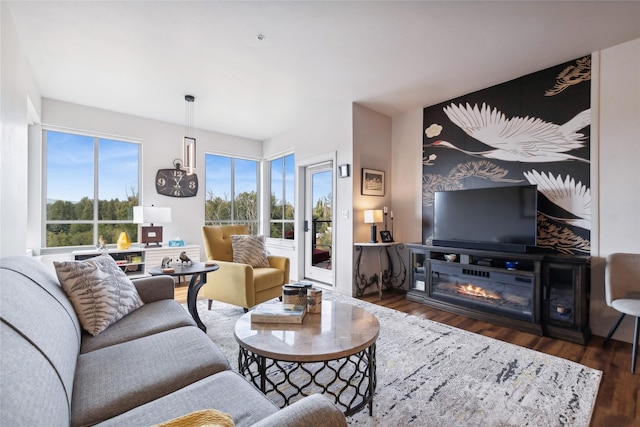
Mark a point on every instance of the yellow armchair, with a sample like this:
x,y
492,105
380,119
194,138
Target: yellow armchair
x,y
235,283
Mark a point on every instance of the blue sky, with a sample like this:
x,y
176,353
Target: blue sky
x,y
70,167
322,185
70,170
218,175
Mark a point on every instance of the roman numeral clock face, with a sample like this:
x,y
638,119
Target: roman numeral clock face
x,y
176,183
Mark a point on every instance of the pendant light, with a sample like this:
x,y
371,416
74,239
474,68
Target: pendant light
x,y
189,141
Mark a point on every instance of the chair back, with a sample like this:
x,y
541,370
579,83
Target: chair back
x,y
217,240
622,277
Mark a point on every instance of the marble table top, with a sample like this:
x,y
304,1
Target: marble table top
x,y
340,330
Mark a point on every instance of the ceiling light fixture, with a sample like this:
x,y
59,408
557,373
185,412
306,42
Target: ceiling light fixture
x,y
189,141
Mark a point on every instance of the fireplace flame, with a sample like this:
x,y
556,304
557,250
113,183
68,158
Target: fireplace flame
x,y
477,291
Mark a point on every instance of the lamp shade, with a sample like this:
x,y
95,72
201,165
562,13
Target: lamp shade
x,y
151,214
372,216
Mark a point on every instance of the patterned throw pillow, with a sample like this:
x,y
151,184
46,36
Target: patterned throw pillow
x,y
249,250
202,418
100,292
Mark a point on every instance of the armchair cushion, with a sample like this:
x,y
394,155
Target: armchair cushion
x,y
248,249
100,292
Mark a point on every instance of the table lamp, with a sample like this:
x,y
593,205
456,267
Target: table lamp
x,y
151,235
371,217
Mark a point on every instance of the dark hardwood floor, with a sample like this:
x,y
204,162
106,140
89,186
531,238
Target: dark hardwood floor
x,y
618,402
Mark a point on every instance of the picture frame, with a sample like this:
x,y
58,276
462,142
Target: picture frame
x,y
386,237
372,182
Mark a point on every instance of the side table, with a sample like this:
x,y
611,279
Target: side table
x,y
198,272
387,277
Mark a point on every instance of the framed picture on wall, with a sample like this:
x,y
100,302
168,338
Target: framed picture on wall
x,y
372,182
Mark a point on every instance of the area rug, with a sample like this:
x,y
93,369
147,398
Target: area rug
x,y
430,374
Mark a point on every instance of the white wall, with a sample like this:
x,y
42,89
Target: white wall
x,y
330,134
617,175
614,172
406,179
371,150
362,138
17,90
161,144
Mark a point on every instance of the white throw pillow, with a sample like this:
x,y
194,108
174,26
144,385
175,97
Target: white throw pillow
x,y
249,249
100,292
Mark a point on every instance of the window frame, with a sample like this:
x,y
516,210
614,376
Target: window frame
x,y
234,221
95,222
283,193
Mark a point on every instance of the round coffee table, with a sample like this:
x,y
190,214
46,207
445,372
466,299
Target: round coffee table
x,y
332,352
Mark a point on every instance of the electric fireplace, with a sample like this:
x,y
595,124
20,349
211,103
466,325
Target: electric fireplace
x,y
538,293
501,293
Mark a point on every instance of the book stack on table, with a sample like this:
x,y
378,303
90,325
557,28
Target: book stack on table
x,y
278,313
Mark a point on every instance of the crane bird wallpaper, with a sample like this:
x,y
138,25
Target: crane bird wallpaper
x,y
531,130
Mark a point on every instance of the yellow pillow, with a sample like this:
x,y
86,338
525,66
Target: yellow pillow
x,y
203,418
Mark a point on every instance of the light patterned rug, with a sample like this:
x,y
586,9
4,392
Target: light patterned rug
x,y
430,374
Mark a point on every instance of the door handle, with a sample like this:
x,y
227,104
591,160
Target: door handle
x,y
306,225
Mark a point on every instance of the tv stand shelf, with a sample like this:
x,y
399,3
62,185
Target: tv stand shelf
x,y
533,292
498,260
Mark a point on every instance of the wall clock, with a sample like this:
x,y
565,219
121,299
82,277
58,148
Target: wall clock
x,y
176,182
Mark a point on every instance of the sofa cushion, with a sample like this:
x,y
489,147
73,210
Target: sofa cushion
x,y
151,318
101,293
116,379
250,250
226,391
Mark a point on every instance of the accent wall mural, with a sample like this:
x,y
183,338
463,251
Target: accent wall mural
x,y
531,130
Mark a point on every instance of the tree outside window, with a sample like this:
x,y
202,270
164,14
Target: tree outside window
x,y
91,187
281,224
231,191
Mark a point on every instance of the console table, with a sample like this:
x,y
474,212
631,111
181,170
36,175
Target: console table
x,y
387,276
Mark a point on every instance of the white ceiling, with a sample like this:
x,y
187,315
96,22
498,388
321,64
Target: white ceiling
x,y
142,57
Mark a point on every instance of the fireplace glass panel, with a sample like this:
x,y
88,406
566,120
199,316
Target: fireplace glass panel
x,y
418,267
491,291
561,296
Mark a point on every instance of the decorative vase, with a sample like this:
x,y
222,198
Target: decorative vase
x,y
124,241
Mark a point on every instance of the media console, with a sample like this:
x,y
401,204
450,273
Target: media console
x,y
538,293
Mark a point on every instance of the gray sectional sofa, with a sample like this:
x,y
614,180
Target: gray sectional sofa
x,y
151,366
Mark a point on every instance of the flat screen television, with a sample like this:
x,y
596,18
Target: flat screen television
x,y
496,218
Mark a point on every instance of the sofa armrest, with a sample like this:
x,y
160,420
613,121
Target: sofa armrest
x,y
314,410
154,288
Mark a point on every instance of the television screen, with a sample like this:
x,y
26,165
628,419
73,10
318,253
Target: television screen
x,y
496,218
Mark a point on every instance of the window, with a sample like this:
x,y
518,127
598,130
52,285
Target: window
x,y
91,187
232,191
281,204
